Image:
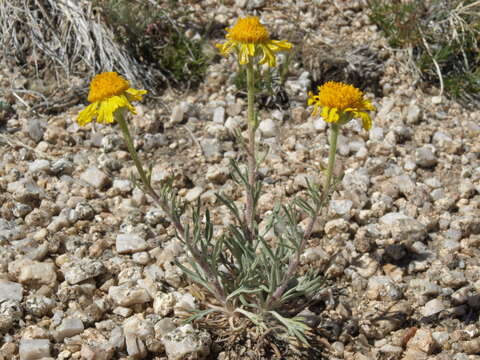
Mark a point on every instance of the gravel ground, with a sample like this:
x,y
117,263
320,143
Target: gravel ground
x,y
87,262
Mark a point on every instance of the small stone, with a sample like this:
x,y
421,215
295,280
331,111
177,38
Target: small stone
x,y
62,167
184,305
382,288
10,313
124,295
211,149
194,193
423,341
135,347
413,113
33,349
178,113
117,338
391,350
217,174
68,328
219,115
403,229
255,4
95,177
39,305
26,192
142,258
82,211
35,129
341,207
10,291
163,327
82,269
38,273
123,311
186,342
425,157
130,243
234,109
233,123
414,354
471,347
39,166
163,303
268,128
92,352
124,186
433,307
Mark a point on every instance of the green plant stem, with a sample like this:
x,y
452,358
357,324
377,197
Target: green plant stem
x,y
331,158
131,147
120,117
252,162
293,265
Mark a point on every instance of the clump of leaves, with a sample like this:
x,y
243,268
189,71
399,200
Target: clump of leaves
x,y
442,38
156,35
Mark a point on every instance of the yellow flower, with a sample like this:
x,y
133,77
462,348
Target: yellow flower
x,y
249,38
341,103
109,92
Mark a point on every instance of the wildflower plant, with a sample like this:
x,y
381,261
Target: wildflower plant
x,y
247,279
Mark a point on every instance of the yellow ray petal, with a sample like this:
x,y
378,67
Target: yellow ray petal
x,y
86,115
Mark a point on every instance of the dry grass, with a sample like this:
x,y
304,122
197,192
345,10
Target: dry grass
x,y
441,39
61,40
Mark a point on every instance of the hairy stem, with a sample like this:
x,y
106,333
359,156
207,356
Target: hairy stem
x,y
293,265
165,206
251,159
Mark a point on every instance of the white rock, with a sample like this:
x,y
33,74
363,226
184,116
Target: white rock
x,y
124,295
319,124
33,349
425,157
393,217
186,342
178,113
81,269
122,311
38,273
135,347
10,291
382,288
163,303
268,128
217,174
233,123
376,134
39,165
130,243
194,194
124,186
68,328
95,177
433,307
341,207
423,341
219,115
413,113
184,305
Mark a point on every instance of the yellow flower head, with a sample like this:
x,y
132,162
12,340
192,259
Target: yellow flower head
x,y
109,92
249,38
340,103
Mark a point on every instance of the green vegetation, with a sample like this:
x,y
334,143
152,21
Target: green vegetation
x,y
159,36
441,36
